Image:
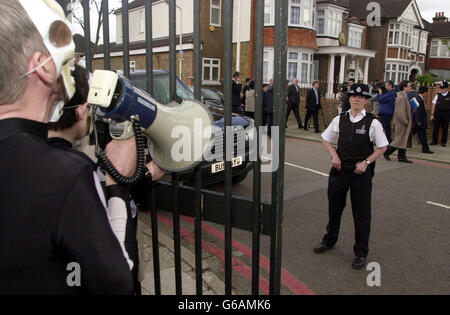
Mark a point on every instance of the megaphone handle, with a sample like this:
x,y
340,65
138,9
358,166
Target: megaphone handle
x,y
106,164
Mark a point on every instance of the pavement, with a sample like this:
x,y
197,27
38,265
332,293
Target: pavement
x,y
441,154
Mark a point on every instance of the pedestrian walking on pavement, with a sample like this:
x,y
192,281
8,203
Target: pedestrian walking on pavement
x,y
313,106
402,125
421,120
387,98
293,102
250,97
236,93
353,169
268,106
441,115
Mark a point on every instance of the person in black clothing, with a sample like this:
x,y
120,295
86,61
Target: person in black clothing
x,y
313,106
353,169
268,106
52,210
441,115
293,102
244,91
236,92
421,120
346,104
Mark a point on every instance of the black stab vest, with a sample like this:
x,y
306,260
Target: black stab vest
x,y
443,103
354,143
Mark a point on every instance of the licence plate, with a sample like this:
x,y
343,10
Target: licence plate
x,y
220,167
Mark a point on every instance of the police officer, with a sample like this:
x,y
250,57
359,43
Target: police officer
x,y
441,114
353,169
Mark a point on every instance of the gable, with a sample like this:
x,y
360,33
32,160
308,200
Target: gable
x,y
412,15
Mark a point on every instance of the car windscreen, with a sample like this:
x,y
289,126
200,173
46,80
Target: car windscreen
x,y
161,87
210,94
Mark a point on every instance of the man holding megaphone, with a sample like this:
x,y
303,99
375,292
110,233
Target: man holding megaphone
x,y
55,236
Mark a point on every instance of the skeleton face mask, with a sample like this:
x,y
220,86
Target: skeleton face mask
x,y
50,20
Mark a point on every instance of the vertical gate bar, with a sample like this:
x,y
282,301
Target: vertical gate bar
x,y
149,44
155,243
198,174
258,70
87,34
106,44
172,48
280,71
176,234
126,38
228,51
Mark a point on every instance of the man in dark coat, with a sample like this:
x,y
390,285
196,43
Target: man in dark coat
x,y
237,89
420,118
293,102
268,106
313,106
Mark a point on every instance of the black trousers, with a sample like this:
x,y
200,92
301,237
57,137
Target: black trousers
x,y
441,121
360,187
422,134
269,124
401,152
386,121
296,109
315,115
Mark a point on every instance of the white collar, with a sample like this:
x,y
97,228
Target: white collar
x,y
362,113
444,94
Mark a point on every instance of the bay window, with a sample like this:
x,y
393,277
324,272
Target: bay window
x,y
301,13
400,35
269,12
355,35
423,43
329,22
300,64
397,72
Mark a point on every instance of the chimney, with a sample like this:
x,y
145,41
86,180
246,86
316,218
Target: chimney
x,y
440,18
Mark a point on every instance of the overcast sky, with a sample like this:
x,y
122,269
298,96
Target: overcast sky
x,y
428,9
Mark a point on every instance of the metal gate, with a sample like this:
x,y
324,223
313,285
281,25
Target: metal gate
x,y
200,204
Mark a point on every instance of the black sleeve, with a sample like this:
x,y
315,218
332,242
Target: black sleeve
x,y
85,237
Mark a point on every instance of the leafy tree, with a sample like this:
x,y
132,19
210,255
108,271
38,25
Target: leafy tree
x,y
426,79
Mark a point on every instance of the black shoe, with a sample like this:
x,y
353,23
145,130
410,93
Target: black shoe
x,y
359,263
387,157
300,127
306,128
433,143
444,145
428,152
322,248
405,160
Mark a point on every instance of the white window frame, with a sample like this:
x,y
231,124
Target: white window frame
x,y
268,61
404,32
415,40
141,21
355,33
400,71
210,80
215,7
269,10
305,60
442,49
321,17
423,42
332,22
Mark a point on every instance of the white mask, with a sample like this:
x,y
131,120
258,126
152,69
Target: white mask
x,y
52,24
56,112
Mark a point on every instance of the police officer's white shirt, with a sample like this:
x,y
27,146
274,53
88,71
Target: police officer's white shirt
x,y
436,98
376,131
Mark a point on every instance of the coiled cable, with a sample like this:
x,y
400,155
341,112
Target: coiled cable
x,y
107,165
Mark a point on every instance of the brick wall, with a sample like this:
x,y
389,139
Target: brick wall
x,y
439,63
377,42
297,37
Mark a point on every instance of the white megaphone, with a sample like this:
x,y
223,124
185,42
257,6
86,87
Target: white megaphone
x,y
118,100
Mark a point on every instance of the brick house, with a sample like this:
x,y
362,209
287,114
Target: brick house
x,y
400,41
439,55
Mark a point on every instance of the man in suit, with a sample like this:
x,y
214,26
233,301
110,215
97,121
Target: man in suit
x,y
268,106
293,102
402,125
420,118
313,106
237,89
